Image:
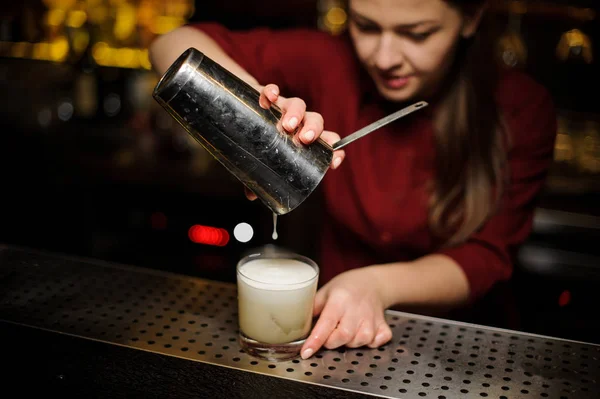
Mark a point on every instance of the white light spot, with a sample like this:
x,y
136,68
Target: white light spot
x,y
243,232
112,104
65,111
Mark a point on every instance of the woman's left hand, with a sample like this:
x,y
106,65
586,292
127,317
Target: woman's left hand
x,y
351,313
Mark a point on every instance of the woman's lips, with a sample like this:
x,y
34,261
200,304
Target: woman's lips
x,y
395,82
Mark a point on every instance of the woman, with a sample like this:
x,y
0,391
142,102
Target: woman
x,y
428,211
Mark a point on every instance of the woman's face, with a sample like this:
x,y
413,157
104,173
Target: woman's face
x,y
407,46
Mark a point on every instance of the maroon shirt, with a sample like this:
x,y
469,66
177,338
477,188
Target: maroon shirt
x,y
376,202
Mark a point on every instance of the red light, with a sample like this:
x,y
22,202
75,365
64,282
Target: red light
x,y
564,298
208,235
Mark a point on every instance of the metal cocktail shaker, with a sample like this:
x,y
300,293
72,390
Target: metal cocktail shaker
x,y
223,114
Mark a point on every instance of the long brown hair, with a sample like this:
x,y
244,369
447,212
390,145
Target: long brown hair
x,y
470,138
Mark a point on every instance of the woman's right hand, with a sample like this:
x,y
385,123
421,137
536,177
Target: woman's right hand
x,y
294,116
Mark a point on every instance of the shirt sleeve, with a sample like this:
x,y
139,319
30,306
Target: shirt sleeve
x,y
487,257
290,58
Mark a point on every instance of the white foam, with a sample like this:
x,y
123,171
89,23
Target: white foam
x,y
277,274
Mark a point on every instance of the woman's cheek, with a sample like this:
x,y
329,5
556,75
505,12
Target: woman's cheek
x,y
366,47
431,59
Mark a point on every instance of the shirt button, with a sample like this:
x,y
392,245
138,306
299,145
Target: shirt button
x,y
385,237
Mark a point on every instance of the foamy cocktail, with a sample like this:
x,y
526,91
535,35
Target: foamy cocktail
x,y
275,303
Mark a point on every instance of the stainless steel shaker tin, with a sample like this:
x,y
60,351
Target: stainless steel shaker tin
x,y
222,113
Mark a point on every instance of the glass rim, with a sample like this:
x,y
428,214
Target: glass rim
x,y
282,255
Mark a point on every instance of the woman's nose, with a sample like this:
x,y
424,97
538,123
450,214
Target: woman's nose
x,y
388,53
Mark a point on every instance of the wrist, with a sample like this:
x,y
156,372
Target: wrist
x,y
387,280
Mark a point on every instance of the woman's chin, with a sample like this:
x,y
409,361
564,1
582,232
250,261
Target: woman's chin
x,y
396,95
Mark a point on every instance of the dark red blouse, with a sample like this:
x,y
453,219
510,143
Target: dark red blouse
x,y
376,202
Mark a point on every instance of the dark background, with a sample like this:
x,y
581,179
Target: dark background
x,y
91,166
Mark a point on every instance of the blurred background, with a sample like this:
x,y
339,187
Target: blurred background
x,y
91,166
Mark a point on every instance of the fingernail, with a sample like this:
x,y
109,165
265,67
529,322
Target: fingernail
x,y
308,136
292,123
307,353
275,92
337,162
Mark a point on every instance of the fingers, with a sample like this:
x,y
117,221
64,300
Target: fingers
x,y
330,316
372,332
294,109
249,194
268,95
364,335
337,328
339,155
347,330
338,158
330,137
310,124
383,335
294,115
312,127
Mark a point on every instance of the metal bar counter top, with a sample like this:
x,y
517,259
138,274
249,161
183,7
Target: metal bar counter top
x,y
86,328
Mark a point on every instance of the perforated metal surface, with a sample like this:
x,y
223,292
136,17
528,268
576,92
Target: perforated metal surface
x,y
196,319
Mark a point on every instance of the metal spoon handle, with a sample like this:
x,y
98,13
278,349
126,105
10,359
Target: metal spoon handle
x,y
377,124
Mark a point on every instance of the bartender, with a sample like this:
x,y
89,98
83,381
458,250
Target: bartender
x,y
428,212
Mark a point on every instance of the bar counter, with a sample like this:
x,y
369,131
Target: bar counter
x,y
80,327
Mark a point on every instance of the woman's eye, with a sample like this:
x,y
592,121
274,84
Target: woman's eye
x,y
419,36
366,28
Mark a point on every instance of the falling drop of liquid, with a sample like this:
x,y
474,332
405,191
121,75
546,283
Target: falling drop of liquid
x,y
275,235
